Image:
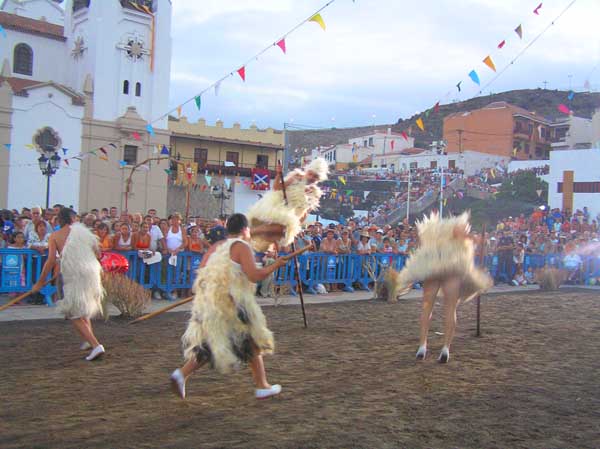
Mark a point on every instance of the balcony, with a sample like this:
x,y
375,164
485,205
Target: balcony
x,y
219,167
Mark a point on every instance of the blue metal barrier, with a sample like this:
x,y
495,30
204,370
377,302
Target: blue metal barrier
x,y
21,268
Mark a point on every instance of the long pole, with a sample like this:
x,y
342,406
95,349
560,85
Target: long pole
x,y
482,261
48,188
296,264
441,192
408,200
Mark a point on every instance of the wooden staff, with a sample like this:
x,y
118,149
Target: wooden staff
x,y
478,332
25,295
293,245
186,300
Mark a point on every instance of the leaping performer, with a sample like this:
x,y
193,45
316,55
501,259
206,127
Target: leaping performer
x,y
227,328
444,260
80,277
274,220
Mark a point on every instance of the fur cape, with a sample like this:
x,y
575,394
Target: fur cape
x,y
81,275
272,209
226,321
440,255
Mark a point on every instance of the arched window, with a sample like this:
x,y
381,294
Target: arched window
x,y
138,89
23,59
126,87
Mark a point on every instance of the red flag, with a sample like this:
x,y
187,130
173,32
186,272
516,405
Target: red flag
x,y
436,108
281,44
564,109
103,151
392,144
537,10
501,44
67,162
242,72
136,136
404,135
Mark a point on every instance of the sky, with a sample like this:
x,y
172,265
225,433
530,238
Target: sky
x,y
377,61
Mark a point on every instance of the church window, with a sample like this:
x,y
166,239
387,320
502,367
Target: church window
x,y
23,59
130,154
138,89
126,87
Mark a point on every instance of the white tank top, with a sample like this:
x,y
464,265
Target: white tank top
x,y
174,240
123,243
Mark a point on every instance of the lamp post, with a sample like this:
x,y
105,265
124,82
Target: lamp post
x,y
218,192
49,163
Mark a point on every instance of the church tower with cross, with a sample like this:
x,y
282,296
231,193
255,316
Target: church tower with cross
x,y
124,46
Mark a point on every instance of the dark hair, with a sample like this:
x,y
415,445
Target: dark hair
x,y
65,216
236,223
102,225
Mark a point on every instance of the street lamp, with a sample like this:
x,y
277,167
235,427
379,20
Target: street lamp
x,y
49,163
218,192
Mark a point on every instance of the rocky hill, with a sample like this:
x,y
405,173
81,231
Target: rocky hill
x,y
541,101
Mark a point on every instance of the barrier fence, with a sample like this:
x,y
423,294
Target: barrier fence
x,y
21,268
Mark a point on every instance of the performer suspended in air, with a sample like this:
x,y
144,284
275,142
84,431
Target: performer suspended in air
x,y
227,328
445,260
274,221
80,284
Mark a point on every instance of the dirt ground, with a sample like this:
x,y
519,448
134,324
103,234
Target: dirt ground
x,y
349,381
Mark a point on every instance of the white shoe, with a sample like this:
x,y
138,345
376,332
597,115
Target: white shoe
x,y
85,346
264,393
422,352
98,351
156,295
178,383
444,355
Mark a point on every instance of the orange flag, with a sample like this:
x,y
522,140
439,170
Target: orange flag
x,y
488,61
318,19
179,111
420,124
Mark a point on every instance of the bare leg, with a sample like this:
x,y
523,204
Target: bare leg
x,y
451,288
430,291
259,375
85,330
179,376
189,367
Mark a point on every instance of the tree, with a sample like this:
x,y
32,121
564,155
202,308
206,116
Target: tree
x,y
523,186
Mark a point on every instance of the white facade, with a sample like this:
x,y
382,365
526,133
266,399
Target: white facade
x,y
471,162
44,106
382,142
47,10
585,166
578,135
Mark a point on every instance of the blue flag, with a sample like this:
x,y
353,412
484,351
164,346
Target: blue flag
x,y
473,75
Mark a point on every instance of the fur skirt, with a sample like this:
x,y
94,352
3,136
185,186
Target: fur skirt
x,y
227,326
80,275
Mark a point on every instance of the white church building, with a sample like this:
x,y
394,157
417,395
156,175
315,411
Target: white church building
x,y
81,80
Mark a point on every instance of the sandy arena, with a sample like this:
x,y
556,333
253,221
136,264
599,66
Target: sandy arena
x,y
350,381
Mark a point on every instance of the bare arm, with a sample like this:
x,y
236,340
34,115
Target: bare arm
x,y
48,266
241,254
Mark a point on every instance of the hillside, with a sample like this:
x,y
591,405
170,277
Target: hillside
x,y
541,101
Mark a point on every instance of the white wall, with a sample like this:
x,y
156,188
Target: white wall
x,y
26,185
382,141
36,9
596,129
48,56
244,196
585,164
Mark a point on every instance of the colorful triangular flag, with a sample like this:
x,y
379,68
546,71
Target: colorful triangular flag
x,y
458,85
473,75
103,151
536,11
30,146
112,145
8,146
103,157
167,171
3,32
150,129
488,61
136,136
156,149
318,19
122,163
501,44
436,108
571,96
208,179
164,150
66,162
242,72
392,143
420,124
179,111
342,180
65,151
281,44
564,109
198,100
519,31
404,135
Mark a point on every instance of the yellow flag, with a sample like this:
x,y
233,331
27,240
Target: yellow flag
x,y
30,146
179,111
515,151
342,180
488,61
420,124
318,19
104,158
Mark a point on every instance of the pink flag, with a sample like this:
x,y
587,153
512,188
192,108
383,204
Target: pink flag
x,y
537,10
564,109
281,44
242,72
501,44
136,136
392,145
404,135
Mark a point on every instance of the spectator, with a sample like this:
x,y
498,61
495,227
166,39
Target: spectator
x,y
364,247
38,238
176,239
36,217
530,276
505,257
196,243
344,244
123,240
329,245
141,240
88,221
104,239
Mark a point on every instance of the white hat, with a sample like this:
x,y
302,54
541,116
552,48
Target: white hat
x,y
320,167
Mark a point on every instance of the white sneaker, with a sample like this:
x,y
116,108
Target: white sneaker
x,y
178,383
156,295
98,351
85,346
264,393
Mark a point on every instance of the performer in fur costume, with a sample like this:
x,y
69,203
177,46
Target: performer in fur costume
x,y
227,328
444,260
80,279
274,221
